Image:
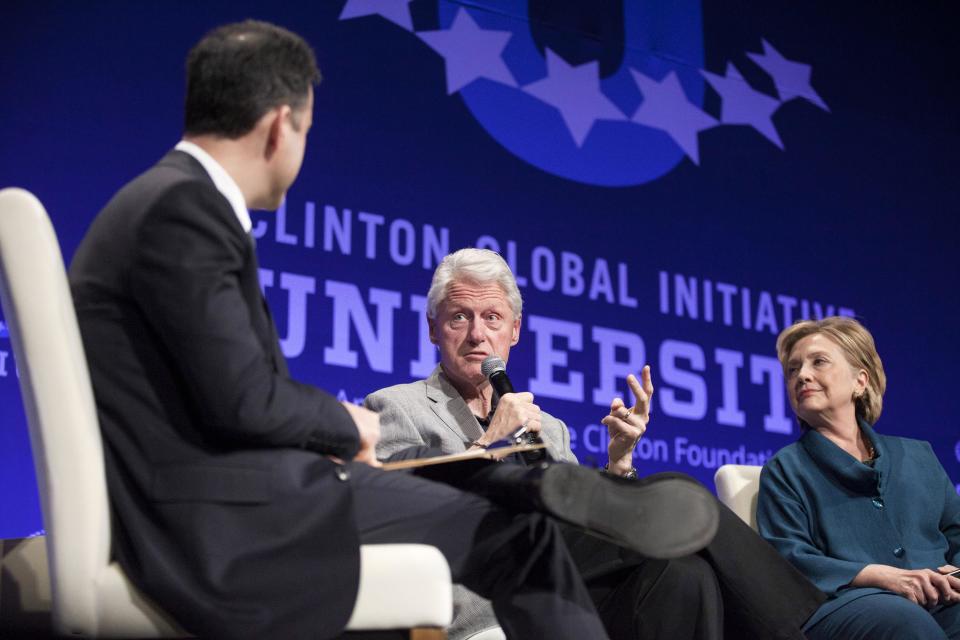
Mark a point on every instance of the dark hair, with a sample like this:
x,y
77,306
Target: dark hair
x,y
240,71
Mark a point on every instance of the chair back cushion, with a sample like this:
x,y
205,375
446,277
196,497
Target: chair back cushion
x,y
60,409
737,487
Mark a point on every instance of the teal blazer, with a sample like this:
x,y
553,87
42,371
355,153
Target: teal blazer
x,y
831,515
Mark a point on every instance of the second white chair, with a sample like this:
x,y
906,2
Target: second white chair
x,y
737,487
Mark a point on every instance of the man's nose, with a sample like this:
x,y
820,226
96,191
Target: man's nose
x,y
477,334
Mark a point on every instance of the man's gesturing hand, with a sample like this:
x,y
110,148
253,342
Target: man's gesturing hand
x,y
626,426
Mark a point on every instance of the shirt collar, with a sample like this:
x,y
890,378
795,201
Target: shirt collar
x,y
221,180
846,469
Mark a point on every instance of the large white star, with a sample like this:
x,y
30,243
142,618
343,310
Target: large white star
x,y
743,105
575,92
470,52
396,11
792,79
665,107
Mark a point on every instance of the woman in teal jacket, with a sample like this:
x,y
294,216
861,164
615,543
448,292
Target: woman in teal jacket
x,y
872,520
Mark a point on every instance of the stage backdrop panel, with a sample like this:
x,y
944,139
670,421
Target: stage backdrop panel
x,y
673,183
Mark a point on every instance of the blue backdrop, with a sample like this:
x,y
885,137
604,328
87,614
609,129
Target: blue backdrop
x,y
673,182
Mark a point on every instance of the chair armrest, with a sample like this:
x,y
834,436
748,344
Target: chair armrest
x,y
402,586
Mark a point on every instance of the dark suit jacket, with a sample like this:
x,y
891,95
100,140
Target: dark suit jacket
x,y
224,511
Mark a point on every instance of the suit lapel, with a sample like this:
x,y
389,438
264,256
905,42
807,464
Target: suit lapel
x,y
260,312
450,408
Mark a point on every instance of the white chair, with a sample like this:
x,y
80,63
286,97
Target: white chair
x,y
401,586
493,633
737,487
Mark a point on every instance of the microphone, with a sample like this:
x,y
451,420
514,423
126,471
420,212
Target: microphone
x,y
495,370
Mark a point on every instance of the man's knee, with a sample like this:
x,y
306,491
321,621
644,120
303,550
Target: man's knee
x,y
690,577
667,475
683,601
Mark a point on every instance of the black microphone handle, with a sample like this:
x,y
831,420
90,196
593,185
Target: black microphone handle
x,y
501,384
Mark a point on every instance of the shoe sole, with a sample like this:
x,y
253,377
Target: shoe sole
x,y
665,518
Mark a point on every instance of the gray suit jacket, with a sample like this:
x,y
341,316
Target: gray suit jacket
x,y
431,412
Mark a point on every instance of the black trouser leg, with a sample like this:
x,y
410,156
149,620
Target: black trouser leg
x,y
517,560
506,483
645,599
677,599
764,596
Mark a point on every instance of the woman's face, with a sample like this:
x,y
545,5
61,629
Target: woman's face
x,y
821,383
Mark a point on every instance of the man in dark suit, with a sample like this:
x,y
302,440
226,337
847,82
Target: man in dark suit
x,y
232,505
240,496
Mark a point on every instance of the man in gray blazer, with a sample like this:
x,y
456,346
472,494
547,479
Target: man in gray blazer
x,y
474,311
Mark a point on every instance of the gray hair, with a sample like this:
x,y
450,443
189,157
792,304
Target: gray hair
x,y
476,265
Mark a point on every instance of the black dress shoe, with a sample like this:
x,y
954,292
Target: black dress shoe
x,y
665,517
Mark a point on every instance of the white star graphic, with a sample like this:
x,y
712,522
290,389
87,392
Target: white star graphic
x,y
470,52
743,105
396,11
575,92
665,107
792,79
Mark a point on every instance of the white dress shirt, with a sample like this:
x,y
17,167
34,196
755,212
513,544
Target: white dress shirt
x,y
221,180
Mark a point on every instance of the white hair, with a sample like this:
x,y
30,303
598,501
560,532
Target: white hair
x,y
475,265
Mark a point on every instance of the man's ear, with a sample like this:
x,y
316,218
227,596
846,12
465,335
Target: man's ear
x,y
516,331
431,324
274,120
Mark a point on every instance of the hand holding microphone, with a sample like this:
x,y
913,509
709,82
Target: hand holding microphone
x,y
516,417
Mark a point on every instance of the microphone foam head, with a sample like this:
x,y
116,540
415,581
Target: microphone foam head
x,y
492,364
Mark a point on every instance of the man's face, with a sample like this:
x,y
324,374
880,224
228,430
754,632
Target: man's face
x,y
290,150
473,321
